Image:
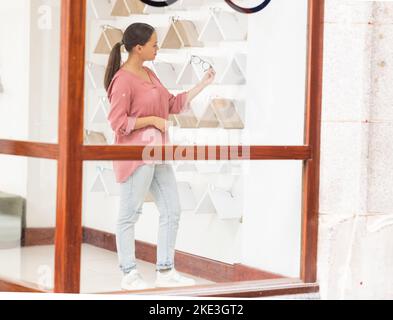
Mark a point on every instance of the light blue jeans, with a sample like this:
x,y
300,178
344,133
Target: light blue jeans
x,y
160,180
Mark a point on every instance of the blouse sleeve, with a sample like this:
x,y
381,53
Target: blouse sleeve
x,y
120,97
178,103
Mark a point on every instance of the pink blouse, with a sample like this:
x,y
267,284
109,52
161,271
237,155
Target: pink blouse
x,y
132,97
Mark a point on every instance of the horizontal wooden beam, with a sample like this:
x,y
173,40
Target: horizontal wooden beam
x,y
179,152
29,149
11,285
245,289
50,151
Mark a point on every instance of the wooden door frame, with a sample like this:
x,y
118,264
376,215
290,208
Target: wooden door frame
x,y
70,154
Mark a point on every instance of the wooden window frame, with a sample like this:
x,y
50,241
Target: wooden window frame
x,y
71,152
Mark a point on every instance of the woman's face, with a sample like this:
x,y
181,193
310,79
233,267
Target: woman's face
x,y
148,52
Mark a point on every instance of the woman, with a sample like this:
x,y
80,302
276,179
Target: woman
x,y
140,106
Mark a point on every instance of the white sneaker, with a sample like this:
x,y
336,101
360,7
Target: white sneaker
x,y
133,281
172,279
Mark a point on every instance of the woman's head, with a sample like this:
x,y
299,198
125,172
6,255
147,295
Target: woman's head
x,y
139,39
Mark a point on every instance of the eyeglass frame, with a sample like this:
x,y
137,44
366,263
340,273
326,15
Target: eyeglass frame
x,y
201,61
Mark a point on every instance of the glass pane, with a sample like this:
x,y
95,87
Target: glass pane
x,y
29,69
257,96
238,221
27,220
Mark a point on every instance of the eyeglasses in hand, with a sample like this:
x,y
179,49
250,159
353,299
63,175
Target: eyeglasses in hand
x,y
198,60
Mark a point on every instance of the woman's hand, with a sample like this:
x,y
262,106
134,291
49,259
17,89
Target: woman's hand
x,y
161,124
209,77
207,80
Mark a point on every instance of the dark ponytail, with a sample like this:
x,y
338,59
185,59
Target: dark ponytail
x,y
135,34
113,64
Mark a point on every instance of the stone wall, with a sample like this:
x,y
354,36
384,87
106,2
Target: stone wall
x,y
355,258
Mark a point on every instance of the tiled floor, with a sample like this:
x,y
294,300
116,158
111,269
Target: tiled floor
x,y
99,273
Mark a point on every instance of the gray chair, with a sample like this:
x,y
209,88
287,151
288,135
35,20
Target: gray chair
x,y
12,220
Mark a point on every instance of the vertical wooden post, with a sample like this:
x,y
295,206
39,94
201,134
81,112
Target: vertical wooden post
x,y
69,178
310,214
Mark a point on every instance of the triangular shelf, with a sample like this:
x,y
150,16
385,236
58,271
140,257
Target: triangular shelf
x,y
221,202
101,113
124,8
98,185
227,206
101,9
227,114
167,73
188,75
208,119
96,74
187,119
109,37
94,138
241,60
233,26
205,205
105,181
186,195
218,63
171,39
224,181
181,33
211,31
233,74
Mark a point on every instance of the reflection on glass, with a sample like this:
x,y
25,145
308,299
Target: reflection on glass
x,y
27,220
241,219
29,70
